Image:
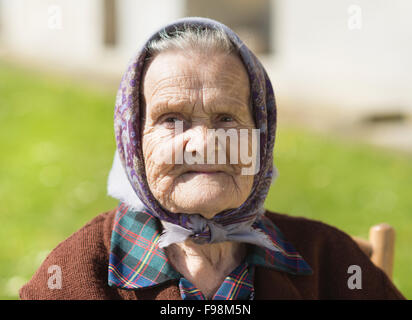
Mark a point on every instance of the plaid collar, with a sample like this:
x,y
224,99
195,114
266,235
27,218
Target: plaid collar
x,y
238,285
137,262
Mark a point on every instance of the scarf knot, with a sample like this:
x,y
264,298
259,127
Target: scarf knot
x,y
202,237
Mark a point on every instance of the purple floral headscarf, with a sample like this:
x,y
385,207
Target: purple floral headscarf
x,y
239,224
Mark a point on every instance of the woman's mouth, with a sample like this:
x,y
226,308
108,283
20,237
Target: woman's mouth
x,y
203,172
208,173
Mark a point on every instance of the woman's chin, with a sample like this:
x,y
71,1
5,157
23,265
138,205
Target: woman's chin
x,y
205,194
206,200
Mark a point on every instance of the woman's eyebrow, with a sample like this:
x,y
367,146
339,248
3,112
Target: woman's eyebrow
x,y
231,106
163,107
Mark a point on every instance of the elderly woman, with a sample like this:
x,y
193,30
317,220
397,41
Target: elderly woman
x,y
191,225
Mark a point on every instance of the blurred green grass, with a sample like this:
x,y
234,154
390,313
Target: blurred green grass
x,y
57,146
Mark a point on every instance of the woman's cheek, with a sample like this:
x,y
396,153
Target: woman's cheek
x,y
245,151
156,145
245,181
157,150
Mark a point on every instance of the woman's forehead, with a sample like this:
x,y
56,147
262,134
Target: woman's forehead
x,y
174,72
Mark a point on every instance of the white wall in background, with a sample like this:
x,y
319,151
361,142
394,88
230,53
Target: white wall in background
x,y
53,29
322,56
137,20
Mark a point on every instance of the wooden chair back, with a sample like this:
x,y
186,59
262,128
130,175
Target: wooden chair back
x,y
380,247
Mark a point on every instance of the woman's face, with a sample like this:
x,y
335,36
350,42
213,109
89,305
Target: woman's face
x,y
201,93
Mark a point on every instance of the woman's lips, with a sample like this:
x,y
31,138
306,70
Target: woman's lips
x,y
203,172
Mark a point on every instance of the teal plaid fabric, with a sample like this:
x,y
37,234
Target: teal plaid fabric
x,y
136,261
238,285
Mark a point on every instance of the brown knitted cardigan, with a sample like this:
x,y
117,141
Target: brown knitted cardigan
x,y
84,256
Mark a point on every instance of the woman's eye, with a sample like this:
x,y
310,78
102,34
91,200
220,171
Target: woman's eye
x,y
171,119
226,118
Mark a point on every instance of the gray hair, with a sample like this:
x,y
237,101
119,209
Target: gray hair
x,y
189,38
192,38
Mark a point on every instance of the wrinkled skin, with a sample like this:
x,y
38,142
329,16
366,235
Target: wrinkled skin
x,y
205,92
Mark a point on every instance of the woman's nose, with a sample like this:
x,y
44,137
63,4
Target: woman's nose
x,y
196,140
201,146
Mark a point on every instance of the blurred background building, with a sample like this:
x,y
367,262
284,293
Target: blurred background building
x,y
333,62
